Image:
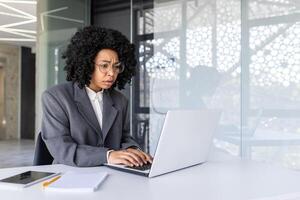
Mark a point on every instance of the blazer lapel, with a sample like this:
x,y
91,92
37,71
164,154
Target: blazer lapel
x,y
109,113
85,108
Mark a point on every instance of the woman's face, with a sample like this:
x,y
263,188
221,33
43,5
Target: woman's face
x,y
105,73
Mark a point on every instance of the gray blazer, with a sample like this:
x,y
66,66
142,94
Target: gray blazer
x,y
71,130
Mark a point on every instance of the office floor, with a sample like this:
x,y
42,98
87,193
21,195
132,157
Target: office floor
x,y
15,153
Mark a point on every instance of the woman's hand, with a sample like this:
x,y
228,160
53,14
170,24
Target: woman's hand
x,y
130,157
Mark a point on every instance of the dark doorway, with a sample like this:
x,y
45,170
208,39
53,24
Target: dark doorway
x,y
27,93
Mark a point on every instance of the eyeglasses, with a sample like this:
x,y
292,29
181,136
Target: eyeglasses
x,y
104,67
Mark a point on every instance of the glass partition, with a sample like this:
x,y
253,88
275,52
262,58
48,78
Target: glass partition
x,y
273,62
239,56
191,60
57,22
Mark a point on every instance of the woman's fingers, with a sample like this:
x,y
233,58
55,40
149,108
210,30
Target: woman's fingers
x,y
148,157
144,156
124,157
140,154
130,157
123,161
133,158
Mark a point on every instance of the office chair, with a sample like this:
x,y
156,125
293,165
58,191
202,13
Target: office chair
x,y
41,154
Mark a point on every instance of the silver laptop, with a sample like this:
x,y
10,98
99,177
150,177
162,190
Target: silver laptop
x,y
185,141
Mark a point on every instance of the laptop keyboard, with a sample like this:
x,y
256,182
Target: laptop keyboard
x,y
142,168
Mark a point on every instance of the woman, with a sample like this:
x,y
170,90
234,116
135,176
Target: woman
x,y
86,121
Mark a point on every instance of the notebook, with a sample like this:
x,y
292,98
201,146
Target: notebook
x,y
78,182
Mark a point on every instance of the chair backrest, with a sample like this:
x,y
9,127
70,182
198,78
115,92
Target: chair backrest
x,y
41,154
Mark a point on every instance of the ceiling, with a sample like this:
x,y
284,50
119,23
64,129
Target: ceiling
x,y
18,22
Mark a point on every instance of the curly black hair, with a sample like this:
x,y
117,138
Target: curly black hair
x,y
83,48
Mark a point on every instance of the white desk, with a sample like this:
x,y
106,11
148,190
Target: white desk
x,y
228,180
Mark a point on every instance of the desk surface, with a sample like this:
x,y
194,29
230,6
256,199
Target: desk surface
x,y
232,180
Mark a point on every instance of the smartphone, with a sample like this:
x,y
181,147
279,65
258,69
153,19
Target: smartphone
x,y
27,178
